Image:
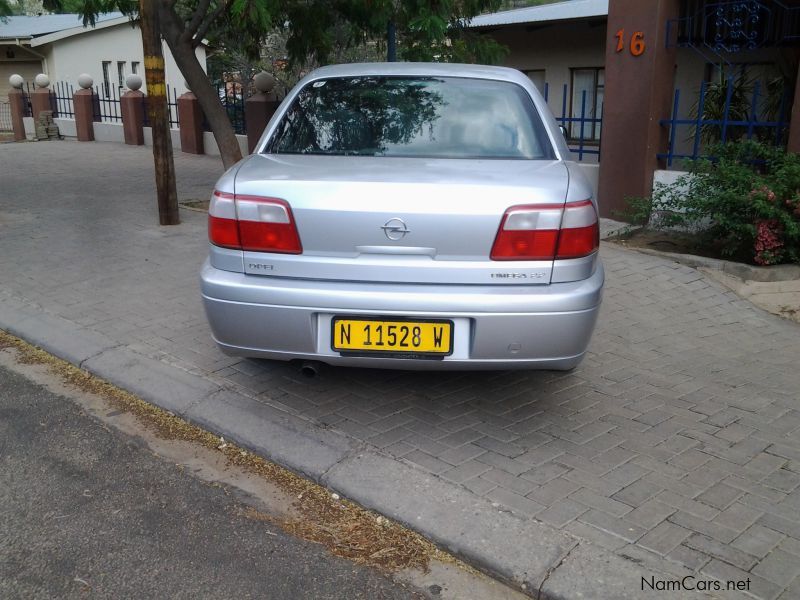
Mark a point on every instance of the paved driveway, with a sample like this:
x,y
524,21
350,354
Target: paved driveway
x,y
677,439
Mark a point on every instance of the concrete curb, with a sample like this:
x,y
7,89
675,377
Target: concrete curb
x,y
740,270
540,560
467,526
277,436
609,228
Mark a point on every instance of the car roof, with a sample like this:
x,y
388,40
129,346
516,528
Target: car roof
x,y
419,69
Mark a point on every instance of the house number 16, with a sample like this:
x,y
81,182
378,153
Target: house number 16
x,y
637,42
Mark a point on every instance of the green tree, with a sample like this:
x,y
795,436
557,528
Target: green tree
x,y
316,30
20,7
183,25
427,30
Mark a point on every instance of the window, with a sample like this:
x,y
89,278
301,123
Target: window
x,y
590,82
121,73
430,117
106,78
538,78
135,67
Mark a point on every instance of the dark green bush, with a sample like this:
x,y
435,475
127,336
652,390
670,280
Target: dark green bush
x,y
745,202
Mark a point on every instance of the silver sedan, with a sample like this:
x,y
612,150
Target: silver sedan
x,y
406,216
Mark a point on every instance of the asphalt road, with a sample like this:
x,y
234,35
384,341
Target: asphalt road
x,y
89,512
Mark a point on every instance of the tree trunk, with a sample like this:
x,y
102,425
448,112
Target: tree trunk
x,y
157,111
198,81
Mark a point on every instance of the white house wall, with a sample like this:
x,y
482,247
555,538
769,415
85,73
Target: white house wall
x,y
49,61
85,53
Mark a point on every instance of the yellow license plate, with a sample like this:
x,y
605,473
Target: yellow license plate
x,y
406,336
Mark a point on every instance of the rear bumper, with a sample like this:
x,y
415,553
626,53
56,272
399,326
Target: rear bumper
x,y
496,327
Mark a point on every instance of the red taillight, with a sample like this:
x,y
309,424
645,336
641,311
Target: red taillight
x,y
269,237
525,245
224,232
547,232
252,223
578,242
580,230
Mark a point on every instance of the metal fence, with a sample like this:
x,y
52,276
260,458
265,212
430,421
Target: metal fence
x,y
29,108
172,107
107,107
5,116
63,92
232,95
759,121
581,125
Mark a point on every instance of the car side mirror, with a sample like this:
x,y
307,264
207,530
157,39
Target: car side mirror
x,y
563,131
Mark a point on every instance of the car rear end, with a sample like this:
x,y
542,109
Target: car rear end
x,y
406,216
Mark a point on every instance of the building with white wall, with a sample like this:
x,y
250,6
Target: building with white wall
x,y
62,48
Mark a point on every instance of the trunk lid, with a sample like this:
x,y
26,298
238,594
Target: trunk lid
x,y
414,220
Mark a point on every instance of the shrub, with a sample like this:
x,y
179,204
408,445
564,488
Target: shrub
x,y
745,202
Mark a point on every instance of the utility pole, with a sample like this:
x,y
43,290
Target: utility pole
x,y
158,112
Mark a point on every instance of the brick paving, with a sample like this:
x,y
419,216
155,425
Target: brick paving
x,y
676,442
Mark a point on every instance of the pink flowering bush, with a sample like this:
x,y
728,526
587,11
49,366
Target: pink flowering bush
x,y
745,202
769,242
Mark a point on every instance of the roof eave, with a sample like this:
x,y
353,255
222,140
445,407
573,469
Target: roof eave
x,y
579,10
73,31
538,23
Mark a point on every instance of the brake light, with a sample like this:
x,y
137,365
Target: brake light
x,y
252,223
222,227
580,231
547,232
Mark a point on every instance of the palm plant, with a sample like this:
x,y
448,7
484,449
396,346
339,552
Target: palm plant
x,y
728,98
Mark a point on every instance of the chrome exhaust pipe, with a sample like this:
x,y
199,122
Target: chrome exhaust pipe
x,y
310,368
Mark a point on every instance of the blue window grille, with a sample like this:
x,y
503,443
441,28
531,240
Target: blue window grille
x,y
774,131
581,121
726,27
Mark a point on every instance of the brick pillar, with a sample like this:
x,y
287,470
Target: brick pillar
x,y
83,102
258,110
794,125
639,83
16,99
40,101
132,106
190,121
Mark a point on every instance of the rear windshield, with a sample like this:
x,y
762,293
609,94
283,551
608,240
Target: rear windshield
x,y
431,117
